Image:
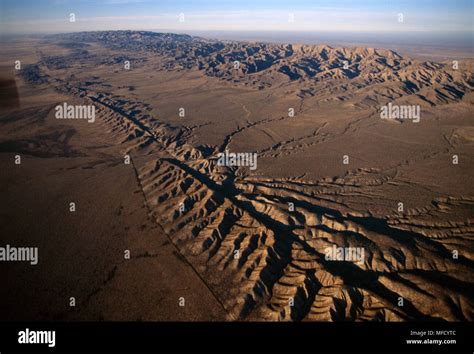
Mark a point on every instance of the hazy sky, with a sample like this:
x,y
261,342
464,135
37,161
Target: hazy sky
x,y
39,16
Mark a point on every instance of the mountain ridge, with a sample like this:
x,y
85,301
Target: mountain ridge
x,y
261,65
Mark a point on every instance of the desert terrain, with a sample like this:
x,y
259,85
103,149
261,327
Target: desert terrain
x,y
234,243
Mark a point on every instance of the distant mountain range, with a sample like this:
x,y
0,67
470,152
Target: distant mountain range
x,y
266,64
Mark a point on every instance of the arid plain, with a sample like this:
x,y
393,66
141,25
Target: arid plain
x,y
235,243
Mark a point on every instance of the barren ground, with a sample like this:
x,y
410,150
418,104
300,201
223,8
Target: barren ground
x,y
191,253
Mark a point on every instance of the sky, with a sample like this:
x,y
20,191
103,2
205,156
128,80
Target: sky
x,y
374,16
